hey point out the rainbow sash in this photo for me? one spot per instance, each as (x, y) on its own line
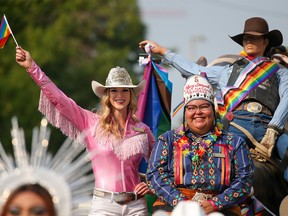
(255, 73)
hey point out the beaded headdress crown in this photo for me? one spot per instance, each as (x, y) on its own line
(198, 87)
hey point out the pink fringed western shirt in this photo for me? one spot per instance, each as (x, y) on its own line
(115, 161)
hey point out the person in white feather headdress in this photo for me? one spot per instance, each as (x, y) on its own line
(61, 182)
(29, 199)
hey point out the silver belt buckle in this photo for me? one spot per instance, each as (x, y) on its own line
(122, 198)
(200, 197)
(254, 107)
(99, 193)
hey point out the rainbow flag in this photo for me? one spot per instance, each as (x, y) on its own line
(154, 102)
(154, 107)
(177, 108)
(4, 32)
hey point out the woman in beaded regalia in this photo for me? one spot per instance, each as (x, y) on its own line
(199, 161)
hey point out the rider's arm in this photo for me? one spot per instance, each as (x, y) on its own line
(281, 113)
(187, 68)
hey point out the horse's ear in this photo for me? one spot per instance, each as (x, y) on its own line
(284, 207)
(202, 61)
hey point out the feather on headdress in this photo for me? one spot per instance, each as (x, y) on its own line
(66, 175)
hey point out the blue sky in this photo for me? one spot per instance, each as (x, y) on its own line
(202, 27)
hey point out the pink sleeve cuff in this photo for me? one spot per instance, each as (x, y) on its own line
(33, 66)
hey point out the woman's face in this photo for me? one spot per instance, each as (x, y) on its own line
(199, 116)
(254, 45)
(27, 203)
(119, 98)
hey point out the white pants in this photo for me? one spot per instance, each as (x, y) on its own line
(103, 206)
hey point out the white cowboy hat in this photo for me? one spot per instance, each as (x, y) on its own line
(185, 208)
(117, 77)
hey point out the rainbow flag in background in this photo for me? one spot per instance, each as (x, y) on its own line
(177, 108)
(154, 102)
(4, 32)
(154, 107)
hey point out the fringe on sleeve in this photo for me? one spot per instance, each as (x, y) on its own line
(58, 120)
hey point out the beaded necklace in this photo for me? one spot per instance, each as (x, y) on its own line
(203, 142)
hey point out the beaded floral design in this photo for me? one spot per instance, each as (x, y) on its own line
(204, 143)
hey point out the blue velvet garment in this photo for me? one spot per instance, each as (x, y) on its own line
(207, 175)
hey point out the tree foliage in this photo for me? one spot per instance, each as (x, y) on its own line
(74, 42)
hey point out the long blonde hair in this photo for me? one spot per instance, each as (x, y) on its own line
(107, 121)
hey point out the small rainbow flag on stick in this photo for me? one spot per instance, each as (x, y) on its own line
(5, 32)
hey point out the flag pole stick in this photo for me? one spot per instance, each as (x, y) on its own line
(10, 30)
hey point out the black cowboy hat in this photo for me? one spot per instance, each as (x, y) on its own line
(259, 26)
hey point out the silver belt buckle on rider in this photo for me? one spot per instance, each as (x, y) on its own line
(254, 107)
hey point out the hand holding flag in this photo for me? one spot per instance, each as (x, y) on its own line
(23, 58)
(5, 32)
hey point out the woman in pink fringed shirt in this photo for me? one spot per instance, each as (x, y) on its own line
(114, 136)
